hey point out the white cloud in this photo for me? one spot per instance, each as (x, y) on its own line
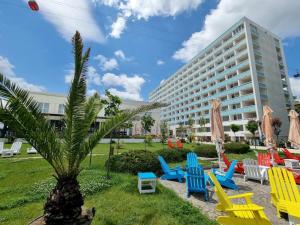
(160, 62)
(295, 85)
(92, 76)
(91, 92)
(141, 9)
(118, 27)
(69, 16)
(120, 54)
(7, 69)
(131, 85)
(281, 17)
(106, 64)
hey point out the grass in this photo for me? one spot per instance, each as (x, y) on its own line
(25, 181)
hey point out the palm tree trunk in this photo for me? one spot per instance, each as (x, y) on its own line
(109, 156)
(64, 203)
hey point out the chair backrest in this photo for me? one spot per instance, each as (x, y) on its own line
(250, 162)
(283, 184)
(179, 144)
(277, 157)
(230, 171)
(170, 144)
(251, 168)
(1, 145)
(225, 159)
(264, 159)
(288, 154)
(192, 160)
(16, 146)
(195, 178)
(225, 202)
(164, 165)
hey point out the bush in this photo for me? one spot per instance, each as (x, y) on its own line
(206, 150)
(174, 155)
(236, 147)
(134, 162)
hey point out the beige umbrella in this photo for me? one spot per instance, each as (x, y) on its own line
(294, 133)
(216, 126)
(267, 129)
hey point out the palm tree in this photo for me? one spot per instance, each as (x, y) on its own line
(22, 114)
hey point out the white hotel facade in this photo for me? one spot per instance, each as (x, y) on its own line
(52, 105)
(244, 68)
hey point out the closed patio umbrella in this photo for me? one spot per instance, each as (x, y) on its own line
(294, 132)
(217, 130)
(268, 130)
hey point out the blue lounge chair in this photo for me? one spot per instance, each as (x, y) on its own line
(171, 174)
(192, 160)
(196, 181)
(225, 179)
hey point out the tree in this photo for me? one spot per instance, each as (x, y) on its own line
(147, 123)
(164, 132)
(252, 127)
(202, 123)
(180, 130)
(66, 153)
(234, 128)
(112, 104)
(190, 128)
(123, 127)
(276, 125)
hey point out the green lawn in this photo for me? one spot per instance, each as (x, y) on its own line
(25, 181)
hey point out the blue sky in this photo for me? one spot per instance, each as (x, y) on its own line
(135, 43)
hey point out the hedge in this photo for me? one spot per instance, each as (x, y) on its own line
(135, 161)
(206, 150)
(173, 155)
(236, 147)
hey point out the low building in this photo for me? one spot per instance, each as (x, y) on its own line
(53, 107)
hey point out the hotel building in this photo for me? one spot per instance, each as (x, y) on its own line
(53, 107)
(244, 68)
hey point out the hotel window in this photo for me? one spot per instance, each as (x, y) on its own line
(61, 109)
(44, 107)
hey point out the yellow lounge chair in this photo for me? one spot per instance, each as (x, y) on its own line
(249, 213)
(284, 193)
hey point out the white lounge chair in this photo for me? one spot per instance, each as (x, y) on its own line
(254, 171)
(31, 150)
(1, 147)
(15, 149)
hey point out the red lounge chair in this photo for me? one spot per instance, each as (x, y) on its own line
(179, 144)
(264, 159)
(239, 168)
(278, 159)
(290, 155)
(296, 175)
(170, 144)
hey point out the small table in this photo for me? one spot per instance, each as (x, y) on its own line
(146, 182)
(291, 163)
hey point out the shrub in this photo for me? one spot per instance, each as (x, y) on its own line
(134, 162)
(206, 150)
(174, 155)
(182, 140)
(236, 147)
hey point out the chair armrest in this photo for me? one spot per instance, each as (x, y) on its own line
(177, 168)
(246, 196)
(252, 208)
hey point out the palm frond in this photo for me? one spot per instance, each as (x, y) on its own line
(21, 113)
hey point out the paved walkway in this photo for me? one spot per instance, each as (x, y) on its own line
(261, 197)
